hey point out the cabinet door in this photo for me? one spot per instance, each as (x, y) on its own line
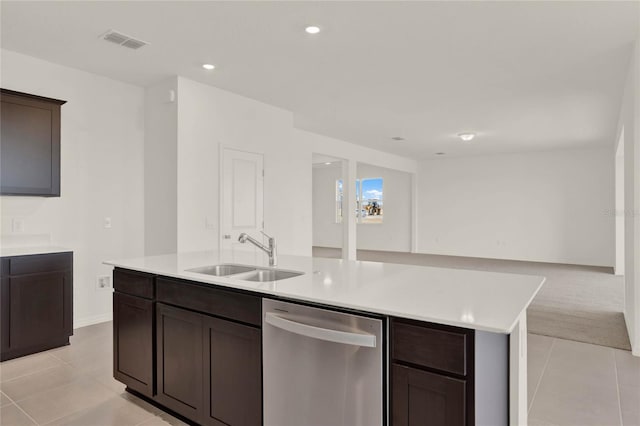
(179, 360)
(233, 374)
(421, 398)
(39, 310)
(5, 311)
(30, 133)
(133, 342)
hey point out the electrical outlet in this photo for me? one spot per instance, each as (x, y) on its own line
(104, 282)
(107, 223)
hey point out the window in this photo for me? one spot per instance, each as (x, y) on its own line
(369, 200)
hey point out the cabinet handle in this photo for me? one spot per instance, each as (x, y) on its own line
(330, 335)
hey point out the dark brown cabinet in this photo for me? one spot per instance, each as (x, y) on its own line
(133, 330)
(209, 369)
(179, 357)
(37, 303)
(30, 144)
(133, 342)
(233, 373)
(427, 399)
(432, 374)
(194, 349)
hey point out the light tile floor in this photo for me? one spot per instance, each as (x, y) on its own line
(574, 383)
(73, 385)
(570, 383)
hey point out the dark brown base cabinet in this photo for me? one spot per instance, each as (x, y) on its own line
(425, 398)
(196, 350)
(133, 342)
(36, 302)
(432, 374)
(180, 356)
(191, 348)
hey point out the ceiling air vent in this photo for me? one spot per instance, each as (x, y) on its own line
(123, 40)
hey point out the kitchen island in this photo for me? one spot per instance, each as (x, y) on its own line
(453, 338)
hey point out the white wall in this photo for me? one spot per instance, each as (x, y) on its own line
(337, 148)
(630, 122)
(326, 232)
(394, 233)
(101, 174)
(619, 205)
(537, 206)
(209, 118)
(161, 168)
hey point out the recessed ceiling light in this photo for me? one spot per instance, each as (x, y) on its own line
(312, 29)
(439, 153)
(466, 136)
(327, 164)
(397, 138)
(208, 66)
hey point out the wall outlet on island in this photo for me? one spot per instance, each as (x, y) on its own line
(104, 282)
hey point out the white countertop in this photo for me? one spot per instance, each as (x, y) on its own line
(29, 250)
(488, 301)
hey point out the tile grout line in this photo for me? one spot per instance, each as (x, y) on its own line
(84, 376)
(544, 368)
(29, 374)
(20, 408)
(61, 360)
(615, 366)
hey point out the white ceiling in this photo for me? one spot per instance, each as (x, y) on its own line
(522, 75)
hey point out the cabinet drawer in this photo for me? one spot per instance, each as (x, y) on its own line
(39, 263)
(210, 300)
(133, 283)
(440, 348)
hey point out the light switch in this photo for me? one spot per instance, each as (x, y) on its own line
(107, 222)
(209, 223)
(17, 225)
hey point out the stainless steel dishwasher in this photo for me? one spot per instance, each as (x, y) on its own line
(320, 367)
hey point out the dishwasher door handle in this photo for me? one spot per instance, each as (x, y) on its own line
(336, 336)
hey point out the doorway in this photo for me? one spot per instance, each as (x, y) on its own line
(327, 205)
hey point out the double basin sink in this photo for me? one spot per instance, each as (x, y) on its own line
(246, 273)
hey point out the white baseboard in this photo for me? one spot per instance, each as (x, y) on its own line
(94, 319)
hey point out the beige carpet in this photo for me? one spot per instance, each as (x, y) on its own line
(582, 303)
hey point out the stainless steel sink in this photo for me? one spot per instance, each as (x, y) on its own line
(245, 273)
(266, 275)
(222, 270)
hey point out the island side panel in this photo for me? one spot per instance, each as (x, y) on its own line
(518, 372)
(492, 379)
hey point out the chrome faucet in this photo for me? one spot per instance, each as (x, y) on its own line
(270, 249)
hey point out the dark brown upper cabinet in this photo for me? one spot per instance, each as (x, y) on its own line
(29, 144)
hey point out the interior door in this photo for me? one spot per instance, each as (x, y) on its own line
(242, 197)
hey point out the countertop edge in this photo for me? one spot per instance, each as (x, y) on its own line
(363, 309)
(32, 251)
